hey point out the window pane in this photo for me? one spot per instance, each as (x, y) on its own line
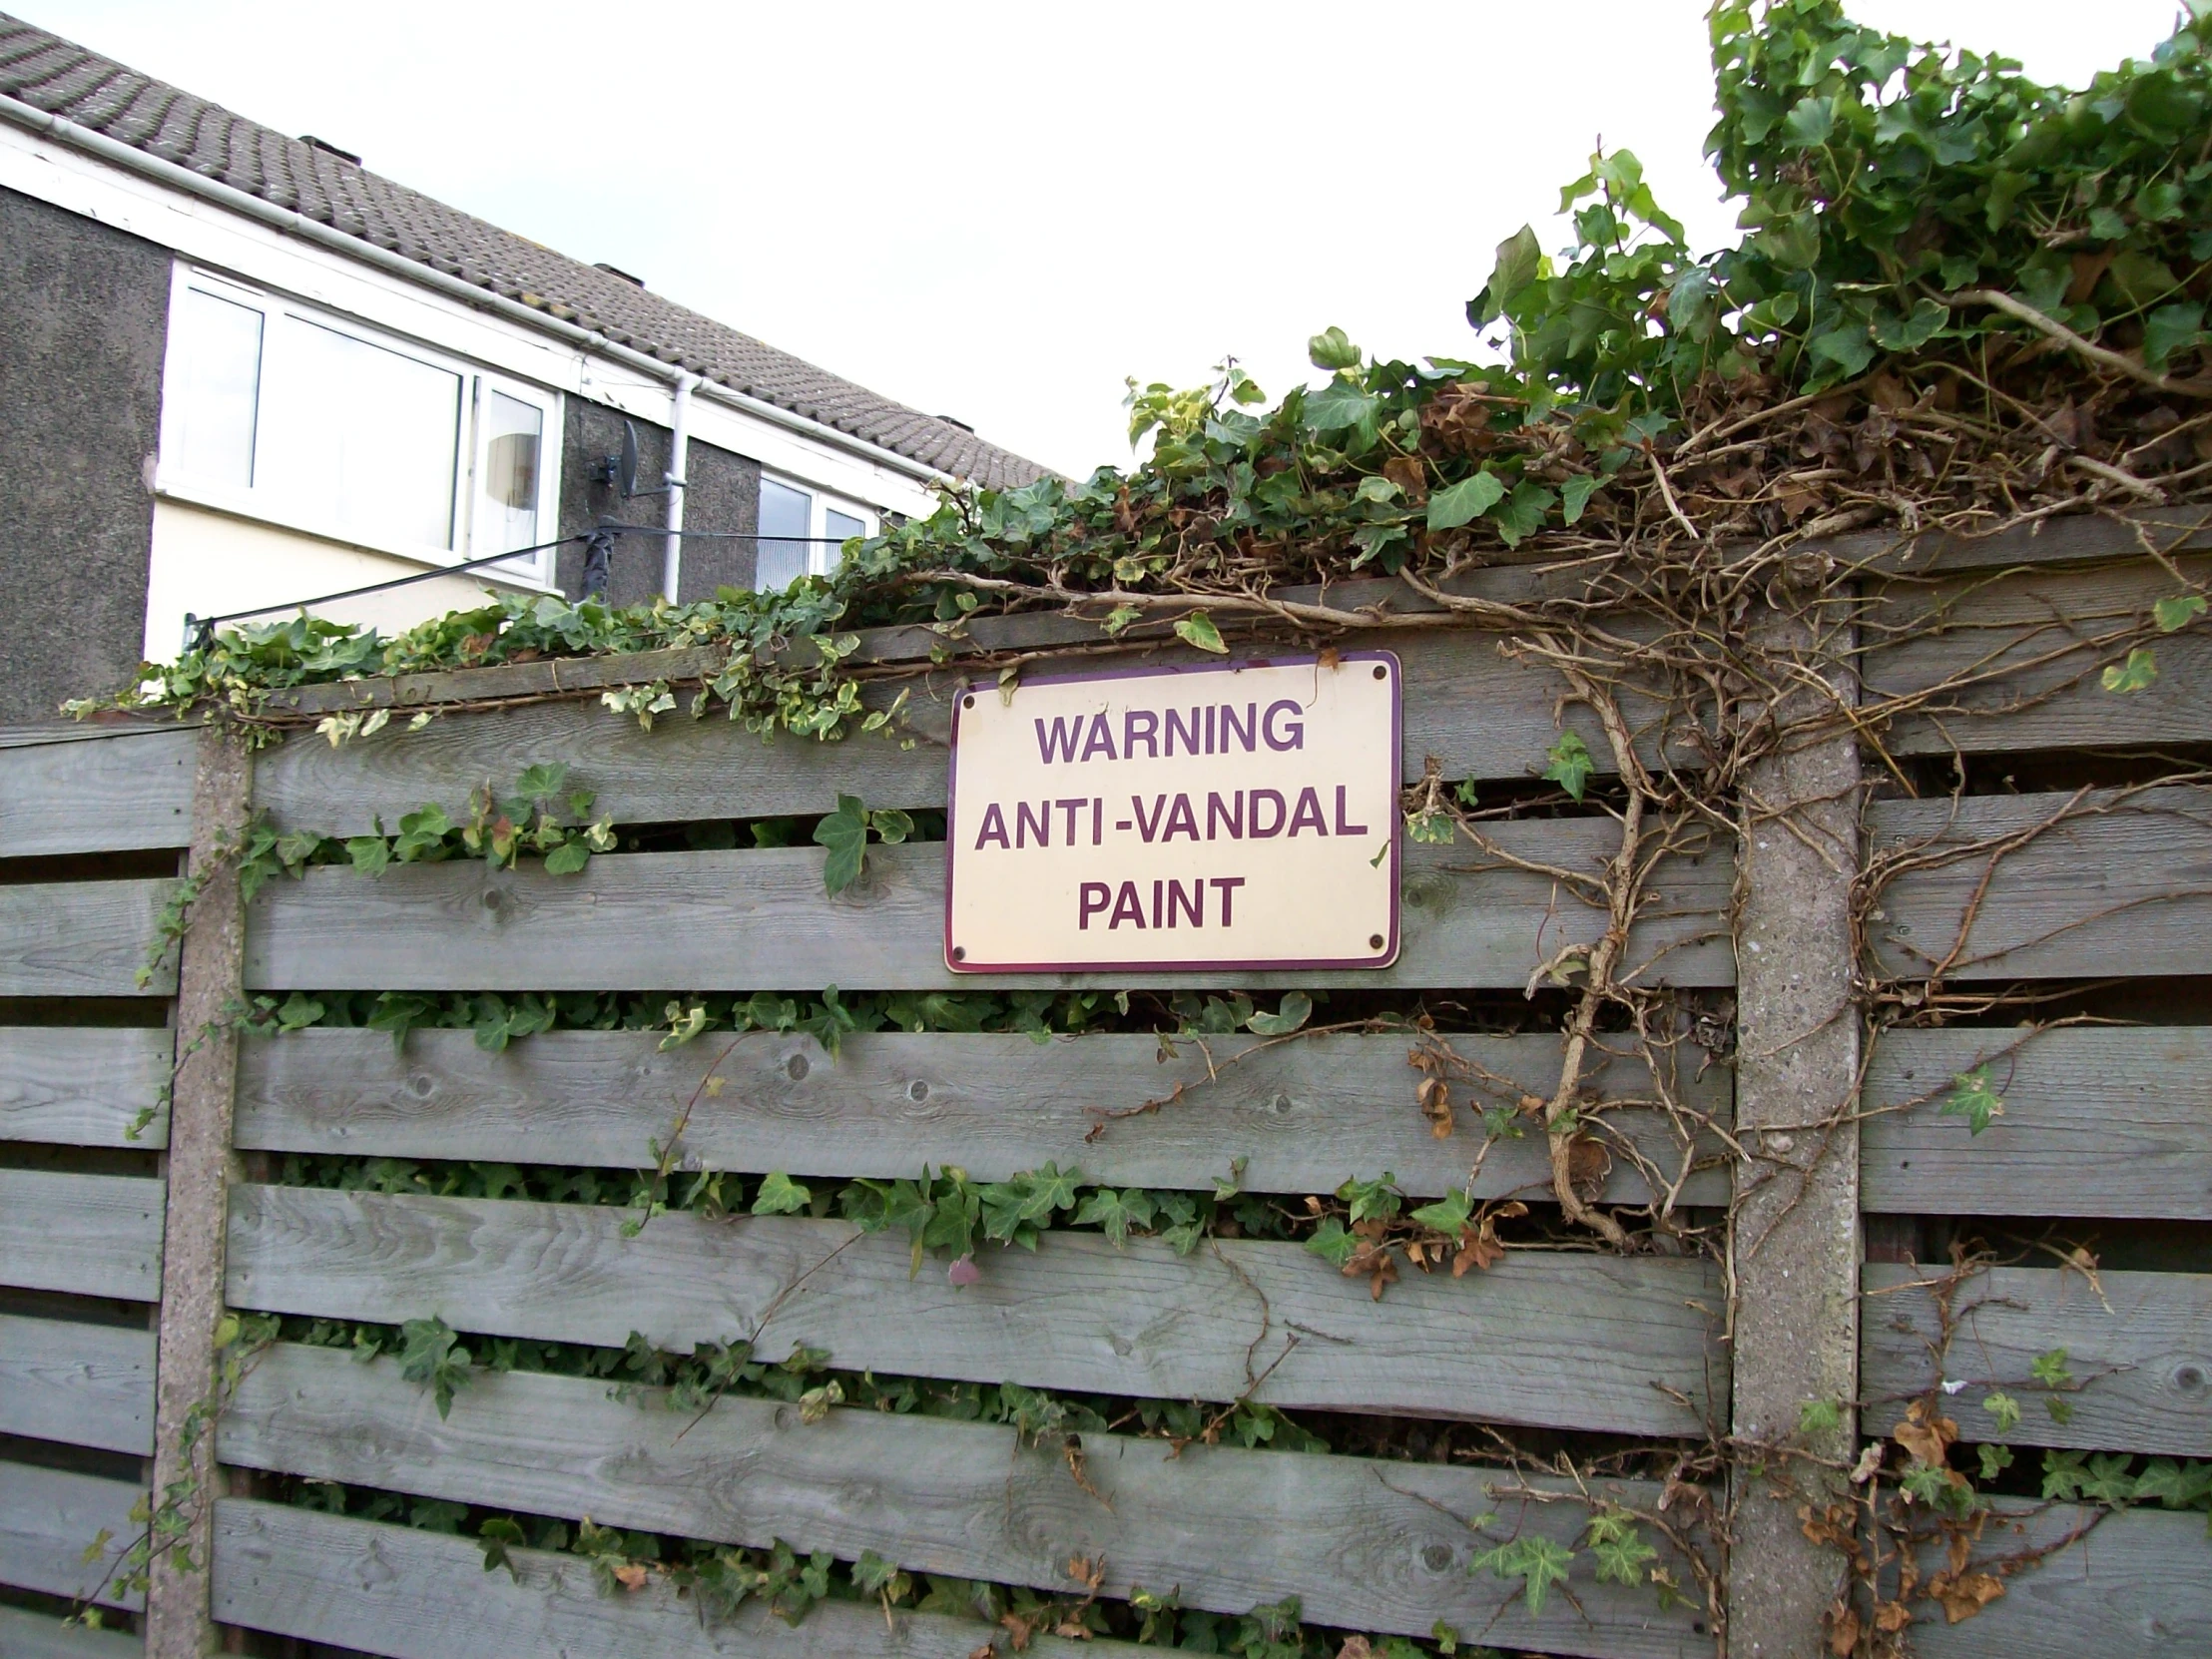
(785, 523)
(844, 526)
(209, 392)
(362, 437)
(507, 493)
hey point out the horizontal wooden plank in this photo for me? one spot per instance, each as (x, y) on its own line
(1479, 714)
(548, 677)
(2072, 540)
(91, 1234)
(2139, 1342)
(2133, 1587)
(2097, 1122)
(84, 1086)
(368, 1587)
(82, 1384)
(47, 1518)
(1363, 1545)
(2024, 650)
(83, 938)
(1561, 1339)
(2118, 885)
(1299, 1116)
(760, 920)
(110, 793)
(28, 1635)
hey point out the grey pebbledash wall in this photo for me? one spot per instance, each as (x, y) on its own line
(724, 496)
(86, 311)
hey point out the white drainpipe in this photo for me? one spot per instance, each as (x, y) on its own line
(679, 464)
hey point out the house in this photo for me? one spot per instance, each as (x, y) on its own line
(240, 369)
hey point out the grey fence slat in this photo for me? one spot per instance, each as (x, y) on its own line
(82, 938)
(91, 1234)
(2079, 538)
(47, 1518)
(2134, 1589)
(299, 1573)
(1566, 1340)
(1480, 715)
(28, 1635)
(2032, 638)
(2141, 1343)
(760, 920)
(682, 769)
(81, 1384)
(1303, 1115)
(83, 1086)
(99, 794)
(2128, 891)
(2097, 1122)
(1364, 1546)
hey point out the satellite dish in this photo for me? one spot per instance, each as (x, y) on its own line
(626, 474)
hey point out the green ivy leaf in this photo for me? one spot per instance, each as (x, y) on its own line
(1116, 1213)
(1570, 765)
(1449, 1214)
(1339, 404)
(1295, 1011)
(844, 834)
(1197, 629)
(1333, 1243)
(1575, 495)
(779, 1195)
(1971, 1098)
(1464, 502)
(569, 859)
(2003, 1410)
(1539, 1562)
(2140, 668)
(370, 853)
(2176, 613)
(1331, 349)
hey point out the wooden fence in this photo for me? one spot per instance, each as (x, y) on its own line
(2102, 1123)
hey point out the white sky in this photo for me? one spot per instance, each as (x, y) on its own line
(996, 212)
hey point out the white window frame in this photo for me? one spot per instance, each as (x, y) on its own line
(820, 504)
(269, 504)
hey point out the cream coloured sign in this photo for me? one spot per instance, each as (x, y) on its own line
(1234, 816)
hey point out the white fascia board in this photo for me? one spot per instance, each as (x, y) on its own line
(207, 234)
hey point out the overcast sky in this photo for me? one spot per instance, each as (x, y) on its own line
(998, 212)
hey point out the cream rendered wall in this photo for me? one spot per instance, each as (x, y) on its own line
(209, 562)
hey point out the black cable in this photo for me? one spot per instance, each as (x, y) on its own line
(201, 629)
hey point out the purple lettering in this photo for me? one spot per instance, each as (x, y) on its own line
(994, 827)
(1294, 738)
(1282, 808)
(1248, 734)
(1176, 729)
(1156, 903)
(1127, 906)
(1230, 813)
(1342, 828)
(1209, 727)
(1071, 808)
(1100, 739)
(1060, 741)
(1098, 819)
(1192, 904)
(1140, 726)
(1181, 820)
(1307, 814)
(1089, 902)
(1226, 886)
(1148, 827)
(1042, 823)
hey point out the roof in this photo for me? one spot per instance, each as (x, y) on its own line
(64, 79)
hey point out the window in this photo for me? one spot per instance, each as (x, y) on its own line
(282, 413)
(800, 531)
